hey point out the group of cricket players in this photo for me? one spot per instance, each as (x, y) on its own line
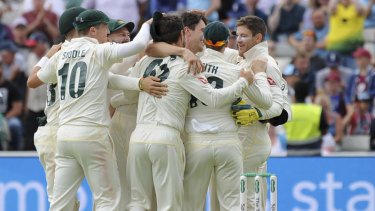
(155, 122)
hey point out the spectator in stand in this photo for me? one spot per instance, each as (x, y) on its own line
(302, 63)
(251, 6)
(267, 5)
(42, 20)
(226, 7)
(35, 98)
(360, 121)
(243, 8)
(333, 62)
(19, 31)
(211, 7)
(361, 82)
(285, 19)
(306, 138)
(313, 5)
(56, 6)
(14, 66)
(5, 31)
(291, 76)
(20, 35)
(346, 29)
(334, 89)
(307, 45)
(334, 120)
(11, 109)
(363, 79)
(370, 13)
(320, 29)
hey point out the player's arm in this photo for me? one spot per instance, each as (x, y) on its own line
(259, 92)
(34, 81)
(151, 84)
(138, 44)
(202, 90)
(163, 49)
(274, 79)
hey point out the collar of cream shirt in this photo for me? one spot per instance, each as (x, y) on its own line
(211, 52)
(85, 39)
(256, 51)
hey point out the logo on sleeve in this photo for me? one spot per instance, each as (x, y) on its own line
(270, 81)
(203, 80)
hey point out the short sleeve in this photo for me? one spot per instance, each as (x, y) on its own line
(107, 54)
(48, 72)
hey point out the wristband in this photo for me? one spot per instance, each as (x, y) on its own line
(42, 61)
(140, 83)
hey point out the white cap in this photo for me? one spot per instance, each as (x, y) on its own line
(19, 21)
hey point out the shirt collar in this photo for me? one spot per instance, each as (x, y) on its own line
(85, 39)
(212, 52)
(255, 51)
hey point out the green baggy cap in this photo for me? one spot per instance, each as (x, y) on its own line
(90, 18)
(67, 19)
(216, 34)
(115, 25)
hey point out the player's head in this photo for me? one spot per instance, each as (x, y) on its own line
(66, 22)
(93, 23)
(119, 31)
(251, 30)
(167, 28)
(216, 36)
(194, 23)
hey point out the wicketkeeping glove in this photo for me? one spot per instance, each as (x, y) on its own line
(243, 113)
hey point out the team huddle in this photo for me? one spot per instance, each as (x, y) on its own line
(189, 113)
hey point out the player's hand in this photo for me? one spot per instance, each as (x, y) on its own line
(195, 64)
(53, 50)
(259, 65)
(154, 87)
(247, 74)
(244, 114)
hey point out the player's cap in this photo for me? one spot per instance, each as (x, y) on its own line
(90, 18)
(361, 52)
(19, 21)
(115, 25)
(35, 38)
(67, 19)
(291, 70)
(333, 59)
(216, 34)
(333, 76)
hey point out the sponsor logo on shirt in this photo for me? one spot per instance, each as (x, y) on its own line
(270, 81)
(203, 80)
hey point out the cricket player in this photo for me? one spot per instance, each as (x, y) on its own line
(256, 142)
(45, 136)
(212, 143)
(84, 147)
(156, 152)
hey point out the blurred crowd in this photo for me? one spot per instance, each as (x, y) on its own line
(327, 44)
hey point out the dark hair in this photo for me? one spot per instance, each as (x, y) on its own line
(301, 89)
(254, 24)
(168, 29)
(191, 19)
